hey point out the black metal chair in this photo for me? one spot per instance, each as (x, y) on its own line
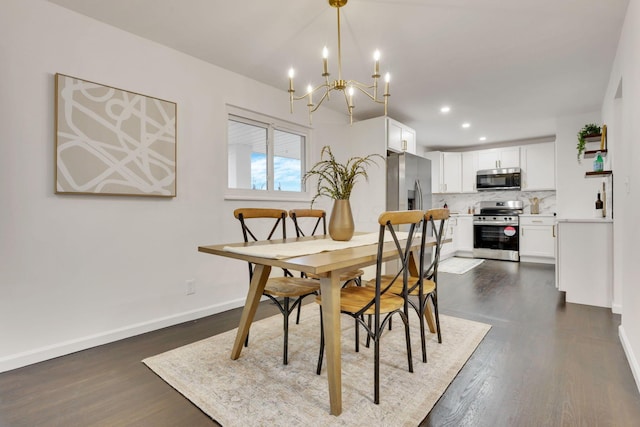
(425, 287)
(378, 300)
(285, 287)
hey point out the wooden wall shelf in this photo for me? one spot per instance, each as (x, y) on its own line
(601, 173)
(592, 153)
(593, 137)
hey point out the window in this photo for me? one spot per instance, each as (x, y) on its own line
(264, 157)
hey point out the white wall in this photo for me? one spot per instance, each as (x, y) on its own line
(621, 111)
(576, 195)
(77, 271)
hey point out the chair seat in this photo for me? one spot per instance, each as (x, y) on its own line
(428, 286)
(346, 276)
(290, 286)
(354, 299)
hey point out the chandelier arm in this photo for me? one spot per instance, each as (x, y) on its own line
(325, 96)
(306, 95)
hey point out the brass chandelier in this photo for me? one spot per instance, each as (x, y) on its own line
(347, 87)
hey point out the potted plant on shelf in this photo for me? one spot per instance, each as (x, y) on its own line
(588, 130)
(336, 181)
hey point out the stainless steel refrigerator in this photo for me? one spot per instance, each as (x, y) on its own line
(408, 182)
(408, 188)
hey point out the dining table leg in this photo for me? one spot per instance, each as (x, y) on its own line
(330, 291)
(256, 287)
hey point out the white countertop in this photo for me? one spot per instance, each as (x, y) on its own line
(587, 220)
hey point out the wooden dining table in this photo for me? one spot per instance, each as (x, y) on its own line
(328, 265)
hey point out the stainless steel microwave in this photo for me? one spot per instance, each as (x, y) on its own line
(498, 179)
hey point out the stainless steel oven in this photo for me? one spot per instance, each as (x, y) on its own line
(496, 230)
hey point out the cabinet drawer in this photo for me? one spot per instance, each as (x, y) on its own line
(537, 220)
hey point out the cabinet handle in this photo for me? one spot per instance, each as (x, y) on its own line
(537, 220)
(404, 145)
(553, 230)
(521, 231)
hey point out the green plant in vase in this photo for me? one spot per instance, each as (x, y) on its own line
(336, 181)
(587, 130)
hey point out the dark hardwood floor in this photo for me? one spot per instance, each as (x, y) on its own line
(543, 363)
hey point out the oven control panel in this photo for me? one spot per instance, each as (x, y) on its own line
(495, 220)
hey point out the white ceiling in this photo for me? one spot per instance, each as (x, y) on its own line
(508, 67)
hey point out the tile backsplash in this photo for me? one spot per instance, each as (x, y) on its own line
(463, 202)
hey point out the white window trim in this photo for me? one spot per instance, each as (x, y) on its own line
(268, 195)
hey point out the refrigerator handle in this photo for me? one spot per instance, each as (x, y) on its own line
(419, 191)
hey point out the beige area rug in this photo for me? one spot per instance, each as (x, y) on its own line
(458, 265)
(257, 389)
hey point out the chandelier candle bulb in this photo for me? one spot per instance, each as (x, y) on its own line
(376, 65)
(387, 78)
(325, 62)
(291, 74)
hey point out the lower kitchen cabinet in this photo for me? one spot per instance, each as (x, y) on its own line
(585, 261)
(464, 236)
(459, 228)
(537, 239)
(450, 232)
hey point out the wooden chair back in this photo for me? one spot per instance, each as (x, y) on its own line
(278, 217)
(436, 219)
(319, 214)
(388, 224)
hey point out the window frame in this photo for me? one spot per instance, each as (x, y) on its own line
(271, 124)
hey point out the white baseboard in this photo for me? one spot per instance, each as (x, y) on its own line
(537, 259)
(616, 308)
(633, 361)
(18, 360)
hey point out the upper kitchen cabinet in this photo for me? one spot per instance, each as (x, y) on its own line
(497, 158)
(469, 170)
(446, 172)
(382, 134)
(400, 138)
(538, 166)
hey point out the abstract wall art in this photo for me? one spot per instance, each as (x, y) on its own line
(111, 141)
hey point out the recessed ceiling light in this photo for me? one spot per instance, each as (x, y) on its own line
(483, 138)
(466, 125)
(445, 109)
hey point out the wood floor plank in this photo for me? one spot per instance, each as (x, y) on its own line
(543, 363)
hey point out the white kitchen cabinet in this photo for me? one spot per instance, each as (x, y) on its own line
(495, 158)
(446, 171)
(400, 138)
(452, 172)
(464, 235)
(469, 170)
(584, 268)
(537, 239)
(538, 166)
(436, 170)
(449, 249)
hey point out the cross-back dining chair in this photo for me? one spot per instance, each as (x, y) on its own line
(276, 288)
(425, 286)
(318, 219)
(378, 300)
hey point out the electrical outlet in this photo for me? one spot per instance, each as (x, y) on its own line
(191, 286)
